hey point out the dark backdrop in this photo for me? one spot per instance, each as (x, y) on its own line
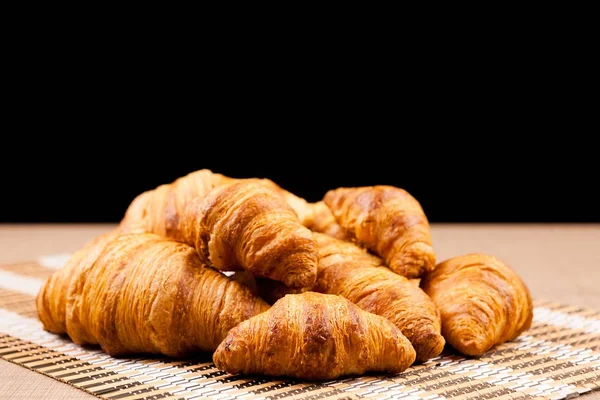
(465, 181)
(478, 132)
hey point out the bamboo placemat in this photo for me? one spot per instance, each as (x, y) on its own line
(559, 357)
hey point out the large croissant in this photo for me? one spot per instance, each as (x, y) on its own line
(388, 221)
(349, 271)
(483, 302)
(314, 336)
(233, 224)
(142, 293)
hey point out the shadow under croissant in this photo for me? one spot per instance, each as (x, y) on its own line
(204, 361)
(314, 384)
(193, 357)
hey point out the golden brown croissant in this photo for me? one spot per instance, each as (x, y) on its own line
(349, 271)
(314, 336)
(159, 210)
(388, 221)
(233, 224)
(142, 293)
(246, 224)
(483, 302)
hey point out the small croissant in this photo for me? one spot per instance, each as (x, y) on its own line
(483, 302)
(388, 221)
(314, 336)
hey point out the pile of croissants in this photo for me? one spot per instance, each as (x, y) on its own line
(271, 284)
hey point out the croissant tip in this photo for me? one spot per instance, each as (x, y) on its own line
(413, 261)
(300, 279)
(472, 347)
(431, 346)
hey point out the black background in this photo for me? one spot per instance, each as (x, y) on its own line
(482, 137)
(455, 180)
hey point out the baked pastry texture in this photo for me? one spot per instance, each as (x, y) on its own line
(352, 280)
(53, 298)
(142, 293)
(347, 270)
(314, 336)
(322, 220)
(483, 302)
(159, 210)
(233, 224)
(388, 221)
(315, 216)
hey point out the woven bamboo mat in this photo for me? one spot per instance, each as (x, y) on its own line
(559, 357)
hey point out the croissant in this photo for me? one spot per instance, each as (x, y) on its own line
(52, 299)
(388, 221)
(483, 302)
(246, 224)
(142, 293)
(349, 271)
(233, 224)
(159, 210)
(314, 336)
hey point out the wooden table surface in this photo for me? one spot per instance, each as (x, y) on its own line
(558, 262)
